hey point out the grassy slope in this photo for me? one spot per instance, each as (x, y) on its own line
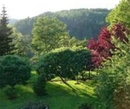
(60, 96)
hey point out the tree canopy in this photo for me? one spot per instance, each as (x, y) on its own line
(47, 34)
(120, 14)
(81, 23)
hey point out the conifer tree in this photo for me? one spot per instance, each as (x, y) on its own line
(6, 45)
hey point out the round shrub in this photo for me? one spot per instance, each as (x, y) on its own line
(13, 70)
(64, 62)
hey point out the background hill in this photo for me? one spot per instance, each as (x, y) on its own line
(13, 21)
(81, 23)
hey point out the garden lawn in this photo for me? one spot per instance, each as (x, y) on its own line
(60, 95)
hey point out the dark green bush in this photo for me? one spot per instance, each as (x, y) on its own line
(13, 70)
(35, 105)
(85, 106)
(40, 85)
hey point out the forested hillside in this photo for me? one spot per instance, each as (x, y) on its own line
(81, 23)
(13, 21)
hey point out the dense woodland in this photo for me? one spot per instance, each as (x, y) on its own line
(44, 64)
(81, 23)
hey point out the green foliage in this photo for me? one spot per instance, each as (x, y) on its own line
(10, 92)
(35, 105)
(64, 62)
(60, 95)
(56, 63)
(6, 46)
(47, 34)
(22, 43)
(40, 85)
(25, 26)
(82, 23)
(114, 79)
(14, 70)
(120, 14)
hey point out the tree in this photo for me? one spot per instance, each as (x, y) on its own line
(6, 46)
(81, 23)
(120, 14)
(13, 70)
(64, 62)
(113, 87)
(101, 48)
(22, 43)
(47, 33)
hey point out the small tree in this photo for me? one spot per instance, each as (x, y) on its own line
(6, 45)
(64, 62)
(101, 48)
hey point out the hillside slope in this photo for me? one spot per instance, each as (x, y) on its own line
(81, 23)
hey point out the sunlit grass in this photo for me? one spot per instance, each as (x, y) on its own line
(60, 95)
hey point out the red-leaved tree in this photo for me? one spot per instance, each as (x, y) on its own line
(102, 47)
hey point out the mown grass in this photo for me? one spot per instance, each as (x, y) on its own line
(60, 95)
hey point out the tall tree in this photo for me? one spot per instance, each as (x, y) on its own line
(47, 34)
(6, 45)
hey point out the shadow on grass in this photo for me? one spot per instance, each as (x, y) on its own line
(70, 88)
(24, 94)
(68, 96)
(60, 96)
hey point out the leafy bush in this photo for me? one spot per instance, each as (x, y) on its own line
(113, 88)
(64, 62)
(13, 70)
(40, 85)
(101, 48)
(35, 105)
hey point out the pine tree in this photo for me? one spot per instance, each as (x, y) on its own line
(6, 45)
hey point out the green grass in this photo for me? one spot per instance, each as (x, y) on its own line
(60, 95)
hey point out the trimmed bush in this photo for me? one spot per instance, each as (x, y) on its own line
(13, 70)
(64, 62)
